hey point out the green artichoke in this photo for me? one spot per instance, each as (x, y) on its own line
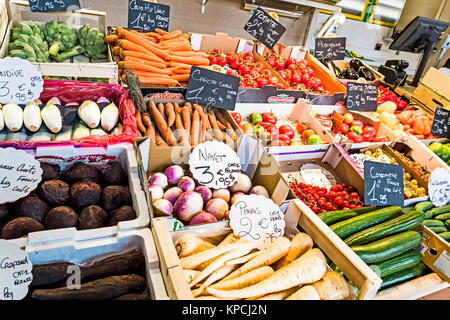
(60, 36)
(27, 42)
(93, 41)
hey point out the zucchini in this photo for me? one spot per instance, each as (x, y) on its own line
(403, 261)
(389, 247)
(445, 235)
(424, 206)
(393, 226)
(443, 217)
(403, 275)
(355, 224)
(433, 223)
(331, 217)
(438, 229)
(408, 209)
(429, 214)
(439, 210)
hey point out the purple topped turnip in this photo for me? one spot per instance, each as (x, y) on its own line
(218, 207)
(259, 190)
(186, 184)
(172, 194)
(236, 196)
(164, 206)
(243, 184)
(159, 179)
(203, 217)
(156, 191)
(222, 194)
(188, 205)
(174, 174)
(205, 192)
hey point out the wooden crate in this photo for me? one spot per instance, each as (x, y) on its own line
(4, 20)
(355, 269)
(81, 66)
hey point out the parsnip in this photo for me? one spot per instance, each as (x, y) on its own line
(215, 276)
(280, 295)
(229, 239)
(301, 243)
(332, 287)
(243, 259)
(189, 244)
(245, 280)
(304, 293)
(190, 274)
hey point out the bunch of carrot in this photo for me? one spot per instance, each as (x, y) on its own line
(170, 124)
(237, 269)
(157, 58)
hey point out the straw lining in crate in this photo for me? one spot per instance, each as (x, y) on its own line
(123, 153)
(81, 66)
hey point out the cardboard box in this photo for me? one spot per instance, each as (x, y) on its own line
(65, 157)
(353, 267)
(81, 65)
(434, 90)
(300, 113)
(78, 252)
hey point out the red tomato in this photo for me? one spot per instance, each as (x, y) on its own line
(304, 62)
(273, 80)
(287, 130)
(291, 61)
(262, 81)
(212, 60)
(280, 65)
(278, 143)
(301, 127)
(217, 51)
(367, 137)
(369, 129)
(267, 73)
(305, 78)
(344, 128)
(271, 61)
(253, 74)
(285, 138)
(269, 117)
(250, 83)
(232, 72)
(358, 138)
(292, 67)
(222, 61)
(296, 77)
(237, 117)
(280, 85)
(244, 69)
(259, 66)
(352, 135)
(284, 74)
(301, 65)
(357, 123)
(234, 62)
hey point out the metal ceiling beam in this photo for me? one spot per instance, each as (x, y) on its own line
(313, 4)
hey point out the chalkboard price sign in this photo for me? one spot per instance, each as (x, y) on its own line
(54, 5)
(264, 28)
(441, 123)
(211, 88)
(383, 184)
(361, 97)
(148, 16)
(333, 48)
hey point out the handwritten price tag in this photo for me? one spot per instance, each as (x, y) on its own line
(20, 173)
(383, 184)
(54, 5)
(441, 123)
(256, 218)
(147, 16)
(362, 97)
(20, 81)
(15, 271)
(439, 187)
(264, 28)
(214, 164)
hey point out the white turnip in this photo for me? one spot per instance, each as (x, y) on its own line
(218, 207)
(205, 192)
(236, 196)
(188, 204)
(243, 184)
(186, 184)
(203, 217)
(164, 206)
(259, 190)
(156, 191)
(174, 174)
(172, 194)
(159, 179)
(222, 194)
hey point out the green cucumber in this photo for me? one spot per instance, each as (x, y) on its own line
(408, 209)
(443, 217)
(424, 206)
(389, 247)
(363, 221)
(445, 235)
(403, 261)
(393, 226)
(438, 229)
(433, 223)
(403, 275)
(331, 217)
(429, 214)
(447, 223)
(439, 210)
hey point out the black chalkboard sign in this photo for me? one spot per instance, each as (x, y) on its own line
(54, 5)
(264, 28)
(441, 123)
(211, 88)
(383, 184)
(147, 16)
(362, 97)
(333, 48)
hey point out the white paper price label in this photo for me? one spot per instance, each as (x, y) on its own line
(256, 218)
(214, 165)
(439, 187)
(15, 271)
(20, 81)
(20, 173)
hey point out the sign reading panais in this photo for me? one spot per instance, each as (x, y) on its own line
(20, 81)
(439, 187)
(256, 218)
(54, 5)
(214, 164)
(15, 271)
(20, 173)
(148, 16)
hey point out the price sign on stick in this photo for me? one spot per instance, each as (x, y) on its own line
(212, 88)
(439, 187)
(148, 16)
(256, 218)
(20, 173)
(15, 271)
(214, 165)
(383, 184)
(333, 48)
(54, 5)
(361, 97)
(264, 28)
(441, 123)
(20, 81)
